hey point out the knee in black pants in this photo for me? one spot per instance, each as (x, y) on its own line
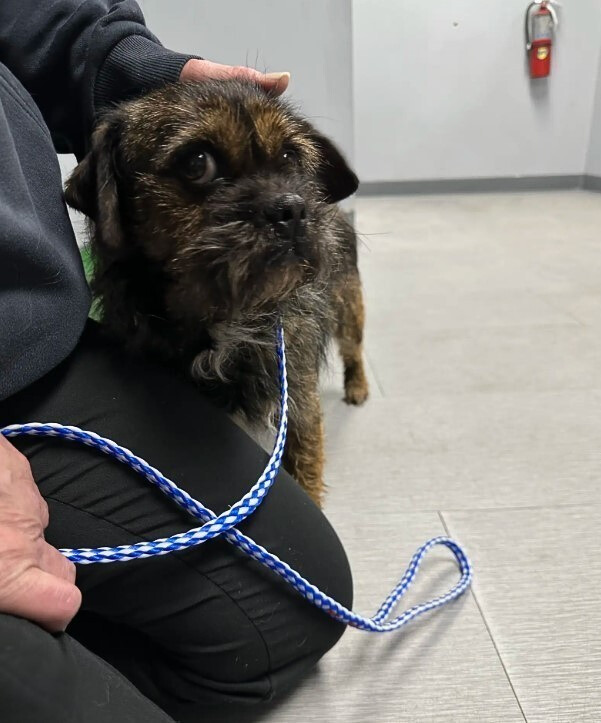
(242, 635)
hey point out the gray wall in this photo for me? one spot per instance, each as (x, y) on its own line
(310, 38)
(441, 90)
(593, 161)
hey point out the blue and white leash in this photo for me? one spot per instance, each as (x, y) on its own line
(225, 524)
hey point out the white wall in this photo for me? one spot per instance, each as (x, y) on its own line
(310, 38)
(441, 90)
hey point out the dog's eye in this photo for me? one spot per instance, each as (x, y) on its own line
(199, 167)
(289, 156)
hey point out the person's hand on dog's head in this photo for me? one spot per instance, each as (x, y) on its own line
(199, 70)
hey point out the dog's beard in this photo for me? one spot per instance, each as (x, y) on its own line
(232, 270)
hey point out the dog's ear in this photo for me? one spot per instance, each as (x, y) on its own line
(334, 173)
(93, 187)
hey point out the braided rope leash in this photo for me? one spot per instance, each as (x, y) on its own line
(225, 524)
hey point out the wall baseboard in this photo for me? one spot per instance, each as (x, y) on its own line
(591, 183)
(480, 185)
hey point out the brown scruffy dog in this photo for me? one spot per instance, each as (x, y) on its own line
(214, 216)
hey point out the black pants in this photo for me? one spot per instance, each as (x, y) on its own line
(197, 631)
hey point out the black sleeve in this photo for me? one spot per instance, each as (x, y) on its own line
(77, 56)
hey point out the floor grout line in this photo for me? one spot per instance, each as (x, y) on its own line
(488, 630)
(425, 331)
(519, 508)
(375, 374)
(433, 510)
(498, 391)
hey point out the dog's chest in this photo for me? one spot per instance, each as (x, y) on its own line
(240, 369)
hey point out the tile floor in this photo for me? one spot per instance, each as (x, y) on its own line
(484, 348)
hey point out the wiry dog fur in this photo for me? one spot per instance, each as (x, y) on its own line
(197, 273)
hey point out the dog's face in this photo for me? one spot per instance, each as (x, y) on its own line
(222, 186)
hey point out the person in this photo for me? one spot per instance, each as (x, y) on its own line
(185, 636)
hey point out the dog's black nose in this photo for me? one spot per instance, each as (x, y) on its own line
(287, 214)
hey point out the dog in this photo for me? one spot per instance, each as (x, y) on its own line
(213, 216)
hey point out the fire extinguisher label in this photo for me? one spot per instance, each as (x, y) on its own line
(542, 53)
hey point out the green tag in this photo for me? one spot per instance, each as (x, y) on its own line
(88, 266)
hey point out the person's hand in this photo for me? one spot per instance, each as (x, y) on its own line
(36, 581)
(199, 70)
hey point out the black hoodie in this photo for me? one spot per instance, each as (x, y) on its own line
(61, 63)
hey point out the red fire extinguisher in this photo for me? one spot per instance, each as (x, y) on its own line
(541, 23)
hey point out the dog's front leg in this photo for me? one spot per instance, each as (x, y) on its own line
(304, 453)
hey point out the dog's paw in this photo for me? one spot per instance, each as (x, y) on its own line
(356, 392)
